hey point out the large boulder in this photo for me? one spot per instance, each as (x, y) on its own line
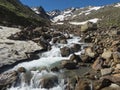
(88, 26)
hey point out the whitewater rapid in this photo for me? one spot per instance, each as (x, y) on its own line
(46, 59)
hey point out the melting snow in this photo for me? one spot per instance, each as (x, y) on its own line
(86, 12)
(81, 23)
(60, 23)
(58, 18)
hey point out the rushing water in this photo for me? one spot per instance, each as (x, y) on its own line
(46, 59)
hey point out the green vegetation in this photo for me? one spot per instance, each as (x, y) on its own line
(13, 12)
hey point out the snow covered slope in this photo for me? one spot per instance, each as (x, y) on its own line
(77, 14)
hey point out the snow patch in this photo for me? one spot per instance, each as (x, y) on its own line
(117, 5)
(60, 23)
(35, 10)
(86, 12)
(58, 18)
(81, 23)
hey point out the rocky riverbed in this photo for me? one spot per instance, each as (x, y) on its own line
(88, 61)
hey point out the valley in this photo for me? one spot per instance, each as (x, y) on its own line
(71, 49)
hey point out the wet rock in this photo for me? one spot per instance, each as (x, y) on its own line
(62, 41)
(55, 69)
(76, 48)
(85, 58)
(69, 64)
(21, 69)
(24, 76)
(88, 26)
(1, 28)
(82, 85)
(55, 39)
(106, 71)
(65, 51)
(48, 81)
(75, 58)
(7, 79)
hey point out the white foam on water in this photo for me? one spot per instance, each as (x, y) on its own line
(46, 59)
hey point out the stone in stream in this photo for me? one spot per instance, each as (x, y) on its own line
(65, 51)
(75, 58)
(76, 48)
(24, 75)
(8, 79)
(48, 81)
(69, 64)
(54, 40)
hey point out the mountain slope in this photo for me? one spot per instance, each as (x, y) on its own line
(13, 12)
(109, 15)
